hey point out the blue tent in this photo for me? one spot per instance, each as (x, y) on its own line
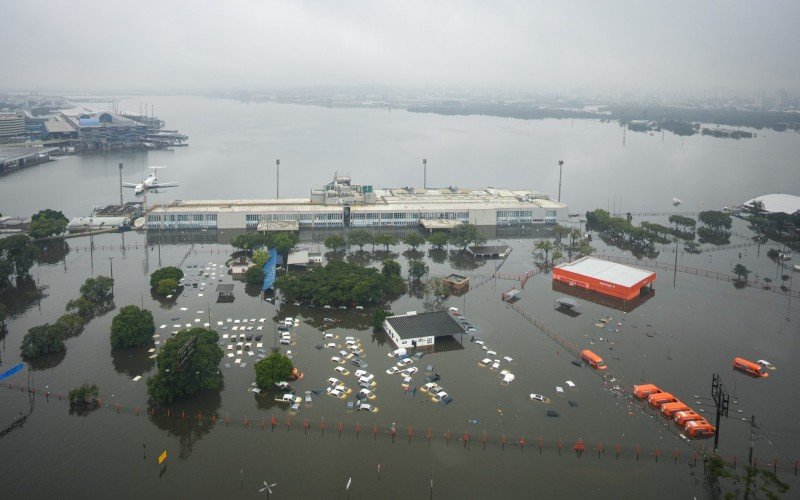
(269, 269)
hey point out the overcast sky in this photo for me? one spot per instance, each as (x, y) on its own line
(540, 46)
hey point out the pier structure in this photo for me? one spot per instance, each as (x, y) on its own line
(342, 204)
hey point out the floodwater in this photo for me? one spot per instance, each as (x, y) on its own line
(677, 340)
(233, 147)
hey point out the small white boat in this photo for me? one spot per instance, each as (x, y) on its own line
(571, 384)
(491, 353)
(485, 361)
(508, 358)
(495, 365)
(559, 389)
(508, 378)
(480, 342)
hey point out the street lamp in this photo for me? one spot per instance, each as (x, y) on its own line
(278, 176)
(425, 173)
(560, 169)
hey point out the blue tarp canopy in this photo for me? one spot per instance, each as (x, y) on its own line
(269, 269)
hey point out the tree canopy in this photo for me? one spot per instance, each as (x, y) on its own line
(250, 241)
(254, 275)
(97, 290)
(359, 238)
(340, 283)
(17, 255)
(47, 223)
(391, 268)
(42, 340)
(201, 369)
(385, 239)
(439, 239)
(282, 241)
(465, 235)
(335, 242)
(132, 327)
(417, 269)
(260, 257)
(169, 272)
(414, 239)
(165, 287)
(276, 367)
(69, 325)
(378, 316)
(715, 219)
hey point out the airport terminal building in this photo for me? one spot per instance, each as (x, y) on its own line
(342, 204)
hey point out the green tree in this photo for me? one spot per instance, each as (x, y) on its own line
(249, 241)
(546, 247)
(391, 268)
(335, 242)
(414, 239)
(378, 316)
(715, 219)
(465, 235)
(97, 290)
(19, 252)
(82, 306)
(2, 318)
(69, 325)
(254, 275)
(200, 371)
(417, 269)
(741, 272)
(42, 340)
(167, 286)
(385, 239)
(260, 257)
(439, 240)
(274, 368)
(132, 327)
(169, 272)
(47, 223)
(282, 241)
(359, 238)
(6, 271)
(83, 396)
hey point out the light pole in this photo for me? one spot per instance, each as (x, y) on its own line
(425, 173)
(120, 183)
(278, 176)
(560, 169)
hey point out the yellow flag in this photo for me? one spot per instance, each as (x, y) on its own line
(162, 457)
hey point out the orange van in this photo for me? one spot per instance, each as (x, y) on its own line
(682, 417)
(593, 360)
(660, 398)
(699, 428)
(749, 367)
(644, 390)
(670, 409)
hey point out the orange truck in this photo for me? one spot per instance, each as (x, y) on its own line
(683, 417)
(593, 360)
(656, 400)
(699, 429)
(750, 368)
(670, 409)
(644, 390)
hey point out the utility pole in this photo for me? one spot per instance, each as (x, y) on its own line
(560, 170)
(720, 396)
(753, 428)
(278, 175)
(120, 183)
(111, 263)
(675, 272)
(425, 173)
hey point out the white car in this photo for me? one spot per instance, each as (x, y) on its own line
(404, 362)
(343, 353)
(366, 407)
(336, 359)
(288, 398)
(334, 392)
(334, 381)
(427, 387)
(327, 336)
(331, 345)
(765, 364)
(439, 395)
(282, 385)
(392, 370)
(342, 370)
(536, 397)
(410, 371)
(285, 341)
(361, 373)
(366, 378)
(366, 392)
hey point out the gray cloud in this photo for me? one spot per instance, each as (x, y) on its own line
(551, 46)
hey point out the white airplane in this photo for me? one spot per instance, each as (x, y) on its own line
(676, 202)
(149, 183)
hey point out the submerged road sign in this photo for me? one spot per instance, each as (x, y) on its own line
(12, 371)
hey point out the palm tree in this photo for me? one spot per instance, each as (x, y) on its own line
(545, 246)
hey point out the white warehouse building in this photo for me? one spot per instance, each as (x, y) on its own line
(342, 204)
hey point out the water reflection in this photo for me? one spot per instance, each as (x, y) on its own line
(605, 300)
(183, 423)
(464, 261)
(52, 252)
(165, 302)
(22, 296)
(47, 362)
(437, 255)
(133, 361)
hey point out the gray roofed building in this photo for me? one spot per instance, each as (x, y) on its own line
(420, 330)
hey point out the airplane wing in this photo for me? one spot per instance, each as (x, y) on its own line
(128, 185)
(160, 185)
